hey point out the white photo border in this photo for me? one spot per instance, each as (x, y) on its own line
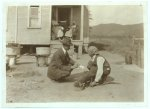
(122, 105)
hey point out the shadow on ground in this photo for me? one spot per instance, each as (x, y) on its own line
(75, 77)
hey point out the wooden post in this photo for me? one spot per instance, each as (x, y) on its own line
(140, 54)
(82, 16)
(133, 40)
(50, 18)
(7, 10)
(79, 50)
(81, 32)
(71, 16)
(142, 57)
(56, 14)
(16, 28)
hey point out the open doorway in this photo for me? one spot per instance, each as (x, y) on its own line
(64, 15)
(65, 22)
(61, 21)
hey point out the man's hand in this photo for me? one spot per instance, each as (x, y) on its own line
(75, 66)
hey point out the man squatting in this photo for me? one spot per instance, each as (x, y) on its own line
(61, 64)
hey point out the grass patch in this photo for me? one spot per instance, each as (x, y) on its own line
(119, 45)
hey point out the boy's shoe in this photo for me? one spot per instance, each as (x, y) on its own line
(92, 84)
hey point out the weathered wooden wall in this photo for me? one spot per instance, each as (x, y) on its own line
(18, 31)
(11, 24)
(33, 36)
(27, 35)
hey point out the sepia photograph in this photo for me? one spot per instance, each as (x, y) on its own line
(76, 53)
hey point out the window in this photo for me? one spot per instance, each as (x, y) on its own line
(34, 17)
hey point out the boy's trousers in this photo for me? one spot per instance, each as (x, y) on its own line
(89, 76)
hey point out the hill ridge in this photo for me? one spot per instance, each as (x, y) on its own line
(113, 29)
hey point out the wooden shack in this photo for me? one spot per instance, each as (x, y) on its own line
(32, 26)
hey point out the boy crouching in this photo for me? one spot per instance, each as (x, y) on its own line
(99, 69)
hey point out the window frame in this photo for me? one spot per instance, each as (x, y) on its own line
(39, 17)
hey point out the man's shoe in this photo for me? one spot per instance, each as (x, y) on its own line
(79, 85)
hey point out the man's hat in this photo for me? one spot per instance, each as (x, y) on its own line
(66, 41)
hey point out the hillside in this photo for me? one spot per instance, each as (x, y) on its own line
(115, 37)
(110, 30)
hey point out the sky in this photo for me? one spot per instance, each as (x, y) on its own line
(121, 14)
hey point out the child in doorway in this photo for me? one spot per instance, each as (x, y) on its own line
(99, 69)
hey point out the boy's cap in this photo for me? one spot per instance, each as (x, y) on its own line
(92, 50)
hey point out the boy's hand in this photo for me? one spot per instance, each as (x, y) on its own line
(94, 83)
(81, 67)
(75, 66)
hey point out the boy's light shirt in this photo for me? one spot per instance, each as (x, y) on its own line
(100, 62)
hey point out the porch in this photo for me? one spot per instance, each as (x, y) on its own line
(67, 21)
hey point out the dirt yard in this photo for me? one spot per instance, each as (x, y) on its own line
(27, 83)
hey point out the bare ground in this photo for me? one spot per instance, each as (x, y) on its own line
(27, 83)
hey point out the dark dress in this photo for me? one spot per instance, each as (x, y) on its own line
(60, 65)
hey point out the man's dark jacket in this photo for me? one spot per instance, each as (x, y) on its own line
(60, 65)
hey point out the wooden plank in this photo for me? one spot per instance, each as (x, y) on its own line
(86, 46)
(16, 32)
(50, 16)
(82, 17)
(71, 16)
(79, 51)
